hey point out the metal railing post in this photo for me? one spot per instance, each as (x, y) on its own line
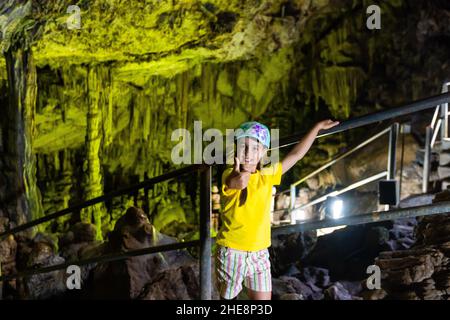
(426, 160)
(1, 283)
(292, 204)
(444, 114)
(205, 234)
(392, 156)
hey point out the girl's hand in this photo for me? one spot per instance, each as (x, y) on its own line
(326, 124)
(238, 179)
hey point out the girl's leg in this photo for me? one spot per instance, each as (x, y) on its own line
(259, 295)
(258, 281)
(229, 264)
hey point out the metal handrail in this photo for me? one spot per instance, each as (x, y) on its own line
(375, 117)
(372, 118)
(424, 104)
(389, 174)
(425, 210)
(104, 258)
(342, 156)
(439, 123)
(335, 193)
(346, 189)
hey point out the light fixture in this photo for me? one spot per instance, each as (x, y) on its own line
(300, 214)
(297, 214)
(335, 207)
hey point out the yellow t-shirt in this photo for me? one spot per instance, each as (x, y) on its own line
(247, 227)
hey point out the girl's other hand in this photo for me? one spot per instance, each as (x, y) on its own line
(326, 124)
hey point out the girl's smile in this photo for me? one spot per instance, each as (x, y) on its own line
(249, 152)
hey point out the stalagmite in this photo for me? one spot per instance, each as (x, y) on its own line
(23, 198)
(98, 100)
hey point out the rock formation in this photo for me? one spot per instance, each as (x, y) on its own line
(423, 271)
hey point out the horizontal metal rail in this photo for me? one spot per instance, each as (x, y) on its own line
(105, 258)
(337, 192)
(346, 189)
(128, 190)
(435, 208)
(375, 117)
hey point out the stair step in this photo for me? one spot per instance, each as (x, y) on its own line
(444, 158)
(443, 172)
(442, 145)
(420, 156)
(445, 184)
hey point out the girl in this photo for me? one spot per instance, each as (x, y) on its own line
(242, 257)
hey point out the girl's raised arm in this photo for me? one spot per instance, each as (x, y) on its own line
(301, 148)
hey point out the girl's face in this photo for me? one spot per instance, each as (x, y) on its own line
(249, 152)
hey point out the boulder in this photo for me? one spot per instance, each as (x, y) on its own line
(173, 284)
(39, 253)
(288, 249)
(315, 275)
(298, 286)
(289, 285)
(292, 296)
(127, 279)
(280, 288)
(421, 272)
(8, 250)
(79, 233)
(337, 291)
(379, 294)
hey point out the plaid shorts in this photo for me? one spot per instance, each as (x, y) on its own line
(235, 266)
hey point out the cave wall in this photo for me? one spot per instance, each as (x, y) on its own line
(110, 94)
